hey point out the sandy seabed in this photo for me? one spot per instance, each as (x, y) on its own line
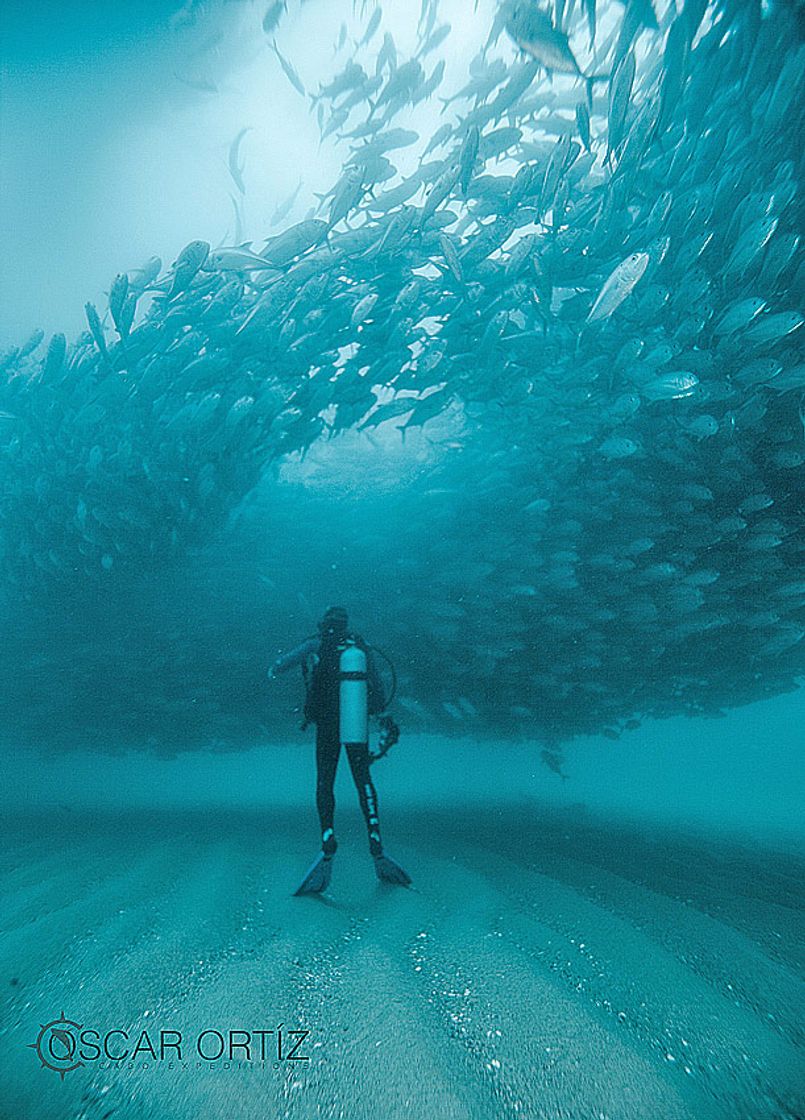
(545, 965)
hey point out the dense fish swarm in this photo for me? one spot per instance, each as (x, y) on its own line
(587, 294)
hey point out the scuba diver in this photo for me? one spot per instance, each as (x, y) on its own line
(342, 689)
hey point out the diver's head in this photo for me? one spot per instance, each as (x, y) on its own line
(334, 623)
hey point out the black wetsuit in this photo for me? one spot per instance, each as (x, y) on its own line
(328, 750)
(325, 714)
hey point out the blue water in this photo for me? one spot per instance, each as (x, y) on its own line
(536, 414)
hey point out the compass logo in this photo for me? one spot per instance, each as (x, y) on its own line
(56, 1045)
(63, 1045)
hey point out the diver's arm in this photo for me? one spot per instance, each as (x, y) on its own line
(295, 657)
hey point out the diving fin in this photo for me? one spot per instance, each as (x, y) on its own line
(390, 872)
(318, 876)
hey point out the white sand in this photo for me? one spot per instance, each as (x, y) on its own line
(544, 966)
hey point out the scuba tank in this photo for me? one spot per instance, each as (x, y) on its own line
(346, 666)
(353, 701)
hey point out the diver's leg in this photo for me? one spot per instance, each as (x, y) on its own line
(328, 748)
(358, 755)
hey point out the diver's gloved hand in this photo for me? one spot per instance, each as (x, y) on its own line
(272, 674)
(389, 735)
(389, 731)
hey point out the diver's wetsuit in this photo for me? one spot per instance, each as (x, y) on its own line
(328, 749)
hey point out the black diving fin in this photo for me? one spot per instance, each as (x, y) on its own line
(388, 871)
(318, 875)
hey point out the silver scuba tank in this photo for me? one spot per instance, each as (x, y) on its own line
(353, 705)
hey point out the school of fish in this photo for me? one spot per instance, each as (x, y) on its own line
(587, 296)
